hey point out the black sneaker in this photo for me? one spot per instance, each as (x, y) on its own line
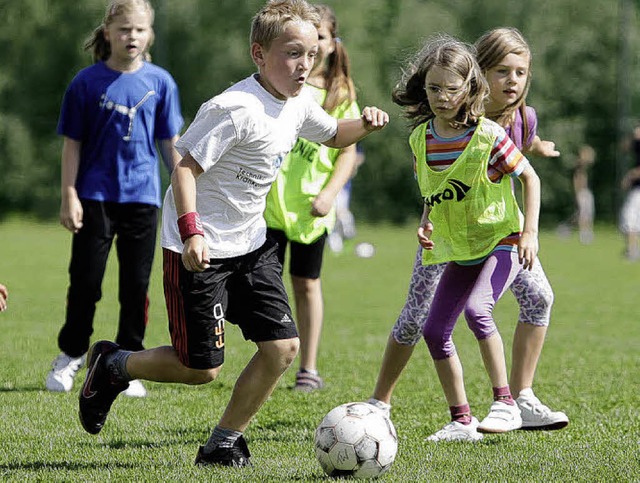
(237, 456)
(99, 389)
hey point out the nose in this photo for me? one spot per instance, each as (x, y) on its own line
(307, 62)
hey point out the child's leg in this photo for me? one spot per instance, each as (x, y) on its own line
(535, 299)
(449, 300)
(257, 381)
(135, 247)
(305, 267)
(89, 252)
(497, 274)
(407, 330)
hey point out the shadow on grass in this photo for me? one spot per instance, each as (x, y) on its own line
(65, 465)
(23, 389)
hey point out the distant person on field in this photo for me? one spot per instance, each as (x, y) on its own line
(345, 228)
(630, 213)
(219, 265)
(300, 208)
(4, 295)
(585, 205)
(113, 114)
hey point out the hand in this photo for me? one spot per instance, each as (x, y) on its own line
(527, 250)
(195, 254)
(546, 149)
(321, 204)
(71, 213)
(4, 295)
(374, 118)
(424, 235)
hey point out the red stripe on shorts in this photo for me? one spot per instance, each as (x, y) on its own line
(175, 303)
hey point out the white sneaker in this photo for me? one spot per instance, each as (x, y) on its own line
(455, 431)
(502, 417)
(536, 415)
(63, 370)
(135, 389)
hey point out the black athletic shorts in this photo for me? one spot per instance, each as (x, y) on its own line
(245, 290)
(305, 260)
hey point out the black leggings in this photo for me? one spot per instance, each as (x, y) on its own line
(134, 226)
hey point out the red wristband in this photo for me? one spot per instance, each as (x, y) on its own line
(189, 224)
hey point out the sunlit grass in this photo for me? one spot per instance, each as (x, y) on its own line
(589, 368)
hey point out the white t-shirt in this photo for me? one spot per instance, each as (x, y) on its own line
(240, 138)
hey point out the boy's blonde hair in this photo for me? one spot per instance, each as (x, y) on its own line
(491, 48)
(455, 56)
(270, 22)
(98, 45)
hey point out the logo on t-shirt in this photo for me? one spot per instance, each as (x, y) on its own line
(106, 103)
(458, 192)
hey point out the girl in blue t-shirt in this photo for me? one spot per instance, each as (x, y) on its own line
(113, 114)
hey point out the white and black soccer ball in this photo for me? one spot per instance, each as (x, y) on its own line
(357, 440)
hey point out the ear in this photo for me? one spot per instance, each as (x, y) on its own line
(105, 33)
(257, 54)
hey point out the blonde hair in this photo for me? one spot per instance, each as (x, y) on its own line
(337, 75)
(491, 48)
(98, 44)
(269, 23)
(455, 56)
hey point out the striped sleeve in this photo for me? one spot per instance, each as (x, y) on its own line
(506, 159)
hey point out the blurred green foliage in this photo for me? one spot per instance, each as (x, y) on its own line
(204, 44)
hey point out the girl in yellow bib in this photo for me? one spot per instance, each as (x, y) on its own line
(471, 220)
(300, 207)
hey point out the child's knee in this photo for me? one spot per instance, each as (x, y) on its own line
(280, 353)
(438, 347)
(197, 377)
(480, 321)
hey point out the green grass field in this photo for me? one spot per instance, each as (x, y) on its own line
(590, 368)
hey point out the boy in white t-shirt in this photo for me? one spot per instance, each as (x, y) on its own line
(218, 264)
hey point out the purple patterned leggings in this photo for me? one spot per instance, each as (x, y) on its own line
(530, 287)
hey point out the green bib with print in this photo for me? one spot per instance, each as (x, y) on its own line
(303, 175)
(470, 214)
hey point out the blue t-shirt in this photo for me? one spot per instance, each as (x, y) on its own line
(118, 117)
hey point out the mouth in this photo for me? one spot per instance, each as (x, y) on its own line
(510, 92)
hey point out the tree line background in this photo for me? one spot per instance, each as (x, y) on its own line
(585, 59)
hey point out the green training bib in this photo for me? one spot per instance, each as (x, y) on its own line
(470, 214)
(303, 174)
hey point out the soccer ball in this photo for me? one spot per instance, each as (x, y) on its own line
(356, 439)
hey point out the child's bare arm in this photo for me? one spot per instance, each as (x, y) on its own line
(195, 255)
(70, 207)
(4, 295)
(528, 244)
(344, 167)
(351, 131)
(425, 230)
(170, 157)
